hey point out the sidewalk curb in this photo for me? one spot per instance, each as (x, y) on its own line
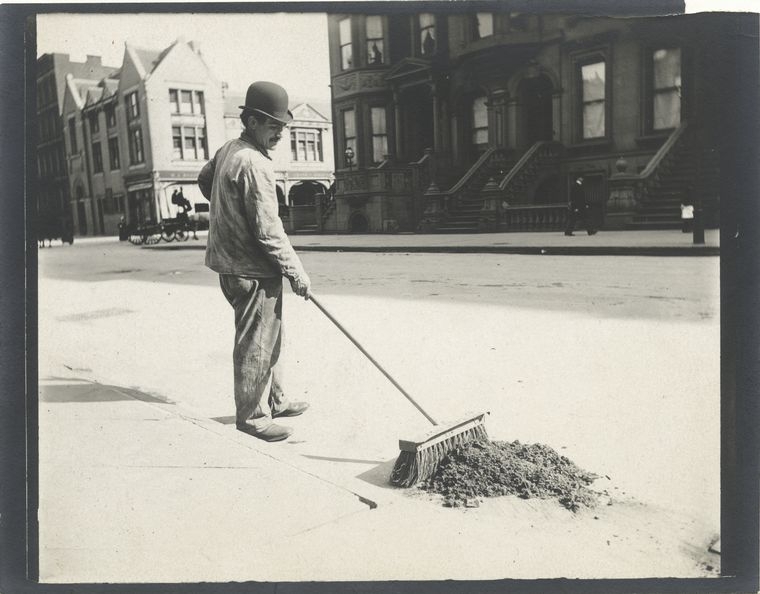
(663, 251)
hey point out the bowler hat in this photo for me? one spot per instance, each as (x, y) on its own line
(270, 99)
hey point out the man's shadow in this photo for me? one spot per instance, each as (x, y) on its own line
(378, 475)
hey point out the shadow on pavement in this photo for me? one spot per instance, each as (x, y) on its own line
(229, 420)
(379, 475)
(343, 460)
(64, 390)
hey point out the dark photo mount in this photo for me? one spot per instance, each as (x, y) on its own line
(736, 137)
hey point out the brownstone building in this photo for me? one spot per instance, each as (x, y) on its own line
(479, 121)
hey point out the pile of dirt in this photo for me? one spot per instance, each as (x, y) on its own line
(488, 469)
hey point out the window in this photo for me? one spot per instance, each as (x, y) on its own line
(189, 143)
(136, 147)
(97, 158)
(666, 86)
(349, 134)
(374, 26)
(185, 102)
(94, 123)
(379, 134)
(113, 153)
(133, 107)
(346, 57)
(110, 116)
(479, 121)
(176, 142)
(427, 34)
(173, 101)
(593, 98)
(483, 24)
(306, 145)
(198, 107)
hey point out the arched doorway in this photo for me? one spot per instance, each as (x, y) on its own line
(535, 100)
(358, 223)
(303, 192)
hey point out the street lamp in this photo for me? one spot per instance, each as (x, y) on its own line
(349, 154)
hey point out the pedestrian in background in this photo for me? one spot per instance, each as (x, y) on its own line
(687, 218)
(249, 249)
(579, 210)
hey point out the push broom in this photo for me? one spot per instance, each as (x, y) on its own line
(419, 458)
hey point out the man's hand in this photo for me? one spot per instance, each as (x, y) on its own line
(301, 285)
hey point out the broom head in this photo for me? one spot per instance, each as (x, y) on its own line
(419, 458)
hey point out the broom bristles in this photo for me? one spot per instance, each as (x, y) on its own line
(413, 467)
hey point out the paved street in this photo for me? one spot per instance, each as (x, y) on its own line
(613, 361)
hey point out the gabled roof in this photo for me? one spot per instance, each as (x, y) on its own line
(304, 111)
(80, 90)
(110, 86)
(148, 59)
(413, 67)
(93, 95)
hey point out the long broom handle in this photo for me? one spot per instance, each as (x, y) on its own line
(371, 358)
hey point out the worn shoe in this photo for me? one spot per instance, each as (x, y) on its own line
(293, 409)
(273, 432)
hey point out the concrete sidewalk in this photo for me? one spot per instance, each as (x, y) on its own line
(143, 477)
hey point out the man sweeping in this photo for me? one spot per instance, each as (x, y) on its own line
(248, 248)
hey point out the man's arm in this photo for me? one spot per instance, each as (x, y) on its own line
(206, 178)
(262, 211)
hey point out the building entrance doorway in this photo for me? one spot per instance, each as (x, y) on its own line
(81, 218)
(535, 97)
(417, 125)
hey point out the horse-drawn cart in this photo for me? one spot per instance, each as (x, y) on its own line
(178, 229)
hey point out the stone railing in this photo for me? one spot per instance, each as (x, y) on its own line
(541, 157)
(438, 203)
(540, 217)
(501, 208)
(628, 189)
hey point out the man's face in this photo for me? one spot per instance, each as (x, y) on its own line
(267, 134)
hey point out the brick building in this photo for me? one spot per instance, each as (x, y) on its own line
(134, 135)
(480, 120)
(138, 134)
(52, 166)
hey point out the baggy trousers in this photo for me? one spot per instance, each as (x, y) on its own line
(258, 336)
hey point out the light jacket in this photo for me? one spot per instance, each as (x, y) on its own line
(246, 236)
